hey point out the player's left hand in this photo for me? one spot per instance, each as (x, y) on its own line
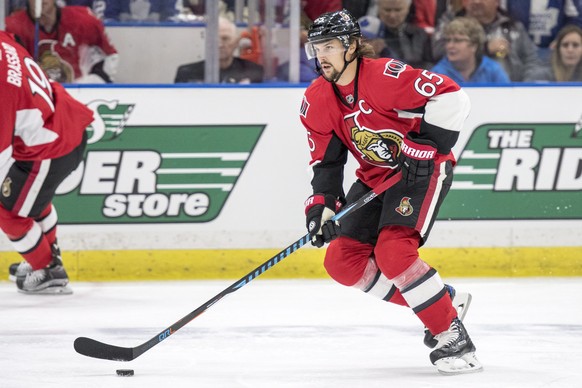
(416, 158)
(319, 209)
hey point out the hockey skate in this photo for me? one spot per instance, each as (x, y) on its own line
(18, 270)
(461, 302)
(455, 353)
(52, 279)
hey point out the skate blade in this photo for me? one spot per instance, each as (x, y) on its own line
(467, 363)
(461, 302)
(53, 290)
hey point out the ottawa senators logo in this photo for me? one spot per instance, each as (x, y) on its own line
(50, 60)
(7, 187)
(394, 68)
(378, 147)
(405, 209)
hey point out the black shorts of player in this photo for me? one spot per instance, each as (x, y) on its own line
(399, 205)
(17, 182)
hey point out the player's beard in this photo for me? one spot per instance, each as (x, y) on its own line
(334, 73)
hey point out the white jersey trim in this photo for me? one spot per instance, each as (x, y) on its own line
(30, 239)
(435, 198)
(448, 110)
(6, 161)
(35, 188)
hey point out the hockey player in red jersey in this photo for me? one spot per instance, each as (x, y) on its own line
(72, 43)
(42, 140)
(393, 119)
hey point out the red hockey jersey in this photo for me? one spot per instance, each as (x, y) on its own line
(38, 118)
(77, 33)
(387, 100)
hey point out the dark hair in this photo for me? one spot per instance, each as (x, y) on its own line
(365, 49)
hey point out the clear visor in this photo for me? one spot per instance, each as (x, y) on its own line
(323, 49)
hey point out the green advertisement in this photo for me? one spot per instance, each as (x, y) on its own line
(518, 171)
(154, 174)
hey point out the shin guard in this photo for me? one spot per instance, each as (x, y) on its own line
(374, 282)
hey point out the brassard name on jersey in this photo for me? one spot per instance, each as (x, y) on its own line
(14, 73)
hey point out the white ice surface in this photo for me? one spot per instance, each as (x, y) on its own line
(288, 334)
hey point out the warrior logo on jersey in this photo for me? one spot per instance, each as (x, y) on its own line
(304, 107)
(378, 147)
(394, 68)
(405, 208)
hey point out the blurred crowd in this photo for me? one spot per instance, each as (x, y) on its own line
(471, 41)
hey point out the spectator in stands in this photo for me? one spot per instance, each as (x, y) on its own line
(507, 40)
(232, 69)
(372, 29)
(447, 7)
(99, 7)
(193, 7)
(140, 10)
(72, 46)
(464, 60)
(566, 59)
(307, 71)
(423, 14)
(543, 19)
(16, 5)
(314, 8)
(108, 10)
(197, 9)
(407, 42)
(361, 8)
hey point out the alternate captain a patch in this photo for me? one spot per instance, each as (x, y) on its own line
(405, 208)
(304, 107)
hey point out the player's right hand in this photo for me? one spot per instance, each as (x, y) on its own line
(416, 159)
(319, 209)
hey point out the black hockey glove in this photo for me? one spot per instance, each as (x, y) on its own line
(319, 209)
(416, 158)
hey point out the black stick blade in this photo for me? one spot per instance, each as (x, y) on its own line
(91, 348)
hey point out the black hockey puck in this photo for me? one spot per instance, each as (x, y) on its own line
(124, 372)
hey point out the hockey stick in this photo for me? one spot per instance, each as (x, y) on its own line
(92, 348)
(37, 14)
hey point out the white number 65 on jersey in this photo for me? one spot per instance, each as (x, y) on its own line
(427, 87)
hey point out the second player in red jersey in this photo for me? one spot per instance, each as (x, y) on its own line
(42, 140)
(72, 45)
(393, 119)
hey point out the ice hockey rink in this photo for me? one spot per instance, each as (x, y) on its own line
(287, 333)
